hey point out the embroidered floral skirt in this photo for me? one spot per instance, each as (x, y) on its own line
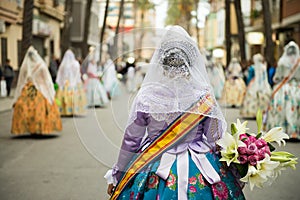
(71, 101)
(254, 101)
(233, 92)
(32, 113)
(148, 186)
(284, 110)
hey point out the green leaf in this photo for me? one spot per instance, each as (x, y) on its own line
(272, 148)
(233, 129)
(259, 120)
(258, 135)
(242, 169)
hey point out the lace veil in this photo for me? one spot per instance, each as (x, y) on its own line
(176, 79)
(290, 55)
(34, 69)
(69, 70)
(91, 57)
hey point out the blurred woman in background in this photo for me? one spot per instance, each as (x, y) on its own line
(70, 94)
(34, 107)
(284, 106)
(235, 87)
(258, 90)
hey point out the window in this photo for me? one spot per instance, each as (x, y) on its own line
(19, 53)
(3, 50)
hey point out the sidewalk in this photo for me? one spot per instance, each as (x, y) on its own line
(6, 102)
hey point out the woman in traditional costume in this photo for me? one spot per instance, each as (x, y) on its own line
(217, 78)
(235, 87)
(95, 91)
(70, 94)
(34, 107)
(110, 80)
(168, 150)
(130, 79)
(258, 89)
(284, 106)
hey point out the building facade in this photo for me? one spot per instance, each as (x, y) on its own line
(47, 23)
(10, 31)
(285, 25)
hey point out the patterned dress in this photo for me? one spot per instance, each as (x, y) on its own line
(95, 91)
(235, 87)
(258, 91)
(32, 113)
(149, 184)
(284, 108)
(71, 101)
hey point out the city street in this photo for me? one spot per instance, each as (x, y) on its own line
(71, 164)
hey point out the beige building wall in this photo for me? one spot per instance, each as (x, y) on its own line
(55, 37)
(233, 20)
(13, 33)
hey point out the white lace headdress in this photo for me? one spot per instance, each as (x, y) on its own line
(290, 55)
(176, 79)
(69, 70)
(34, 69)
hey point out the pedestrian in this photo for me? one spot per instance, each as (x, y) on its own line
(168, 150)
(284, 105)
(258, 90)
(53, 68)
(130, 82)
(70, 93)
(9, 75)
(1, 73)
(271, 72)
(216, 76)
(235, 87)
(34, 107)
(95, 91)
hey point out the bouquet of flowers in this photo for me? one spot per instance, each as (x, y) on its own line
(253, 154)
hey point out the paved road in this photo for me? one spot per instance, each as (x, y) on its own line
(71, 164)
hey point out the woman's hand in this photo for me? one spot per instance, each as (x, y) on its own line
(110, 189)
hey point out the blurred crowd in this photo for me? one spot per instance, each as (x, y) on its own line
(272, 89)
(69, 86)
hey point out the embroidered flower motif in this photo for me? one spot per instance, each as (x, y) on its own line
(171, 182)
(220, 190)
(201, 180)
(138, 196)
(131, 195)
(192, 189)
(223, 171)
(152, 181)
(192, 180)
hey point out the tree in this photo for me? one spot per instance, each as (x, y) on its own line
(27, 26)
(269, 49)
(84, 43)
(66, 32)
(241, 32)
(179, 12)
(227, 32)
(103, 29)
(115, 46)
(143, 6)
